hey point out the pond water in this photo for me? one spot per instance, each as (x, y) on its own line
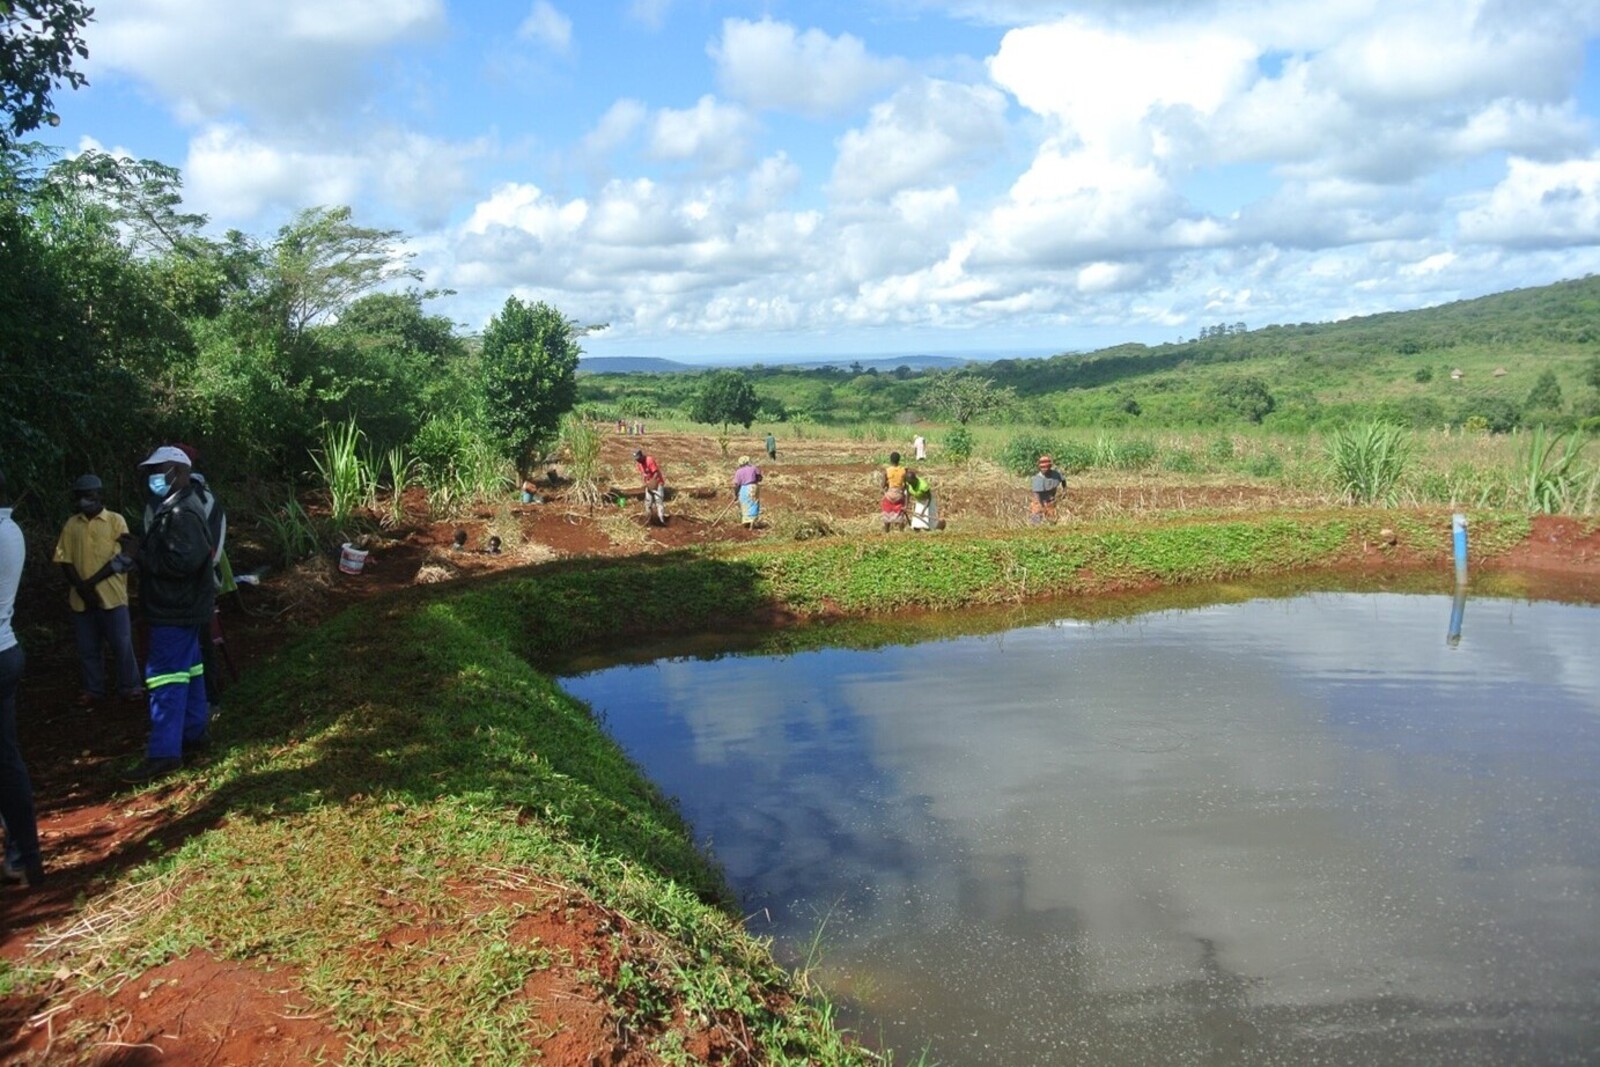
(1309, 830)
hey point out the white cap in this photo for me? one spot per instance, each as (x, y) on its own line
(166, 454)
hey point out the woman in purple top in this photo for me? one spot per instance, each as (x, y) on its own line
(745, 480)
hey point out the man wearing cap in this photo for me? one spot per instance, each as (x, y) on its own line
(1042, 508)
(655, 487)
(178, 593)
(89, 552)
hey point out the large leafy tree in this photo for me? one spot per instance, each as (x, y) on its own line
(321, 261)
(530, 363)
(725, 398)
(398, 365)
(39, 41)
(1247, 397)
(1545, 394)
(964, 397)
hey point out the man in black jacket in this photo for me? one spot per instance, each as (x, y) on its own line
(177, 593)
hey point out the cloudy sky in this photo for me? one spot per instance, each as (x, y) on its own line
(842, 177)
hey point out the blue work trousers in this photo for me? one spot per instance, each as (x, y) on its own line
(16, 788)
(175, 675)
(99, 630)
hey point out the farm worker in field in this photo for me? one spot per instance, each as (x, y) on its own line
(746, 486)
(655, 487)
(178, 590)
(1042, 508)
(88, 551)
(924, 512)
(893, 507)
(772, 447)
(919, 446)
(22, 860)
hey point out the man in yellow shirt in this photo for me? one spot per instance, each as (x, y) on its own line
(89, 551)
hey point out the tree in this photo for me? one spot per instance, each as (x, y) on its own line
(725, 397)
(963, 397)
(38, 42)
(530, 374)
(321, 261)
(142, 196)
(1545, 394)
(1591, 373)
(1247, 397)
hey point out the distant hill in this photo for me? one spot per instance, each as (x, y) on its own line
(635, 365)
(652, 365)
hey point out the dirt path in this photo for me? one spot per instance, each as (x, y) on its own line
(200, 1010)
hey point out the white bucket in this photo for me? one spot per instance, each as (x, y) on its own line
(351, 558)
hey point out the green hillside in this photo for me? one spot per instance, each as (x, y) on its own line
(1400, 367)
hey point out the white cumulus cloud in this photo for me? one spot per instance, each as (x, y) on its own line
(770, 64)
(281, 61)
(924, 135)
(711, 135)
(547, 26)
(1541, 204)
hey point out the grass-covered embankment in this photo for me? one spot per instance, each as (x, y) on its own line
(403, 788)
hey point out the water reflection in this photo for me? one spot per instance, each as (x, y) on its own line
(1273, 832)
(1458, 611)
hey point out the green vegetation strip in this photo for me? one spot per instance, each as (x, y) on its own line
(404, 786)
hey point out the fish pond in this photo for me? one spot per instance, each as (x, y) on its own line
(1329, 827)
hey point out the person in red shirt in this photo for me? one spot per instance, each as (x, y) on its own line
(655, 487)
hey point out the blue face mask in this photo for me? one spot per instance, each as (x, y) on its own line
(158, 483)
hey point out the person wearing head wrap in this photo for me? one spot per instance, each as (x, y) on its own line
(746, 486)
(177, 592)
(1046, 483)
(89, 552)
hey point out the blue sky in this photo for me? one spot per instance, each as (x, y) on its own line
(763, 180)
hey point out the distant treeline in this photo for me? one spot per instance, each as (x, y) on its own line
(1517, 358)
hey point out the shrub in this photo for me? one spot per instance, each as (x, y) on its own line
(1021, 454)
(1264, 465)
(1181, 461)
(1221, 450)
(958, 443)
(1073, 456)
(1135, 454)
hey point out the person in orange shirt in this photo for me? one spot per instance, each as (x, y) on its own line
(88, 552)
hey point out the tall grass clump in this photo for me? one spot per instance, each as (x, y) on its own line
(580, 442)
(1550, 480)
(346, 473)
(402, 470)
(1367, 462)
(292, 532)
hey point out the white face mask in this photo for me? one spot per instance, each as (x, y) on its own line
(159, 484)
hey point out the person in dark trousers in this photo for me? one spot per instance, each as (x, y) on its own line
(1045, 485)
(772, 447)
(212, 651)
(178, 592)
(655, 487)
(23, 862)
(87, 552)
